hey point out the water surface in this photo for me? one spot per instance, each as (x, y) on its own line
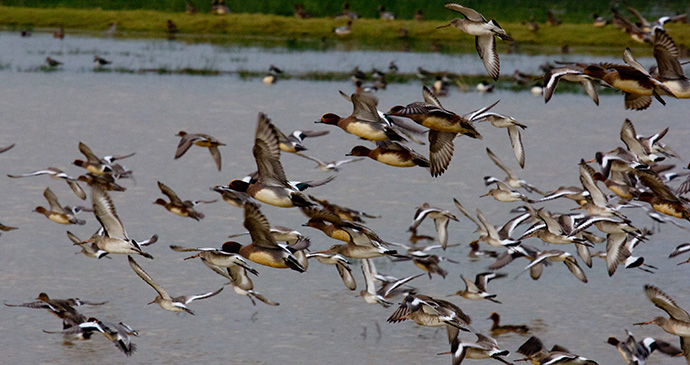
(318, 320)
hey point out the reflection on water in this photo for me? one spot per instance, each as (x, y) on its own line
(318, 320)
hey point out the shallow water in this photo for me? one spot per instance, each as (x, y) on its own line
(318, 320)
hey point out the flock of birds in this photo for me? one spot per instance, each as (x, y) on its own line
(636, 175)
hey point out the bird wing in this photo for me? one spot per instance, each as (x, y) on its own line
(442, 229)
(470, 14)
(147, 278)
(574, 267)
(190, 298)
(430, 98)
(629, 137)
(215, 153)
(420, 215)
(632, 62)
(170, 194)
(440, 151)
(666, 54)
(500, 164)
(652, 180)
(614, 242)
(90, 156)
(318, 162)
(665, 303)
(346, 274)
(590, 90)
(516, 142)
(390, 287)
(469, 285)
(267, 153)
(486, 47)
(636, 101)
(368, 276)
(258, 226)
(586, 173)
(364, 108)
(104, 209)
(53, 201)
(189, 249)
(185, 143)
(467, 214)
(551, 78)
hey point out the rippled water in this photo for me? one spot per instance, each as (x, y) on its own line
(318, 320)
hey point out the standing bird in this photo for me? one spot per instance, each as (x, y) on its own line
(177, 304)
(485, 31)
(171, 28)
(201, 140)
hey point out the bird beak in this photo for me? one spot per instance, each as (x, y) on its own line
(151, 302)
(642, 323)
(191, 257)
(444, 26)
(487, 194)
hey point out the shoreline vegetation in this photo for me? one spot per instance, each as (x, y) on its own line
(317, 33)
(292, 33)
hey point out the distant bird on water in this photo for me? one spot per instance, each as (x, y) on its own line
(53, 62)
(344, 30)
(101, 61)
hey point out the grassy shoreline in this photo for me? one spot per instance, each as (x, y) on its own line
(315, 32)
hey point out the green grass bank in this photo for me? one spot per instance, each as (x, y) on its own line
(317, 32)
(510, 11)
